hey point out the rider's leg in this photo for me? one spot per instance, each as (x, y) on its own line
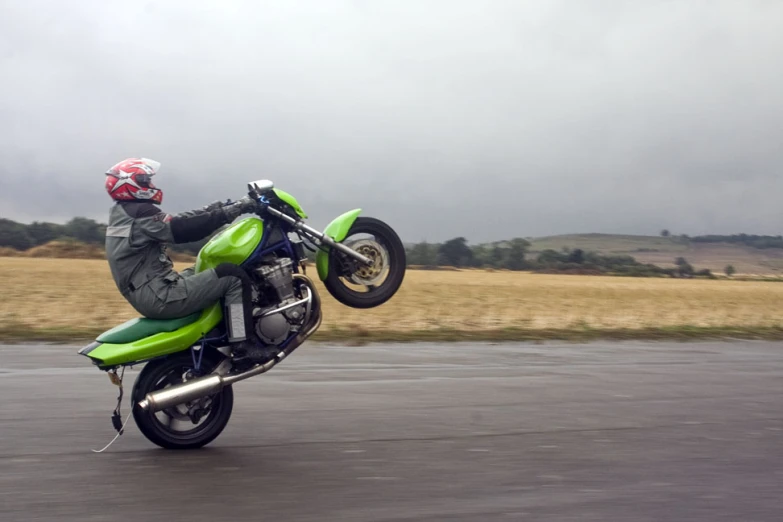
(169, 299)
(195, 292)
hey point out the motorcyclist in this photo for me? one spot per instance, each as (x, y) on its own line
(136, 239)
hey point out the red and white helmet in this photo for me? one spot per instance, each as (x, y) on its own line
(131, 179)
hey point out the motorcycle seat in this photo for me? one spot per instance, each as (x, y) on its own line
(142, 327)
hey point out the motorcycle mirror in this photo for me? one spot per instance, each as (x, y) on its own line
(261, 186)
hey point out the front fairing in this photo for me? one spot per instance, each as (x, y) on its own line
(291, 201)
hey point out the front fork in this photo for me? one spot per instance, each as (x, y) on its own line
(321, 237)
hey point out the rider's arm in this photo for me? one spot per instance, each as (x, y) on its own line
(192, 227)
(152, 222)
(187, 227)
(209, 208)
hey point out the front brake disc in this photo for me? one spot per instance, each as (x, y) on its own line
(369, 275)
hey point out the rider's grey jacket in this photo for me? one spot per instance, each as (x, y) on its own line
(136, 241)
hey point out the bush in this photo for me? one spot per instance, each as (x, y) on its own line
(753, 241)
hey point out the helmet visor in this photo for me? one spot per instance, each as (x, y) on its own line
(153, 165)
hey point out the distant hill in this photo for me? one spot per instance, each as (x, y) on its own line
(662, 251)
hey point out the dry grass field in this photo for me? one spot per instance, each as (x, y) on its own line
(66, 298)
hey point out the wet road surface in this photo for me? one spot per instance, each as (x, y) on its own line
(554, 432)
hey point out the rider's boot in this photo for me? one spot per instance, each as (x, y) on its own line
(252, 352)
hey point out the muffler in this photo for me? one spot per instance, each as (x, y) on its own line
(200, 387)
(213, 383)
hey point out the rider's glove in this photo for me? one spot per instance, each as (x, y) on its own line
(236, 209)
(214, 206)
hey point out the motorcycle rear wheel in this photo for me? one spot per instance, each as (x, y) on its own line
(173, 428)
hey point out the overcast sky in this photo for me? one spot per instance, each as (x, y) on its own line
(488, 119)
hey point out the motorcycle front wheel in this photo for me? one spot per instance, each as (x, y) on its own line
(360, 286)
(185, 426)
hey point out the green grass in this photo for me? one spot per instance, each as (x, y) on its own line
(360, 336)
(611, 243)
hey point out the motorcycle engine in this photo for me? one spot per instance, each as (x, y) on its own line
(276, 319)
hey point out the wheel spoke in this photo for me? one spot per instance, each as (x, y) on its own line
(172, 379)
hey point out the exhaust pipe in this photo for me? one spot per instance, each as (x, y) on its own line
(200, 387)
(212, 384)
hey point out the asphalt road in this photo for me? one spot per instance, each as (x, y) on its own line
(560, 432)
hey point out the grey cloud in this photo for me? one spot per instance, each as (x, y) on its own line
(484, 119)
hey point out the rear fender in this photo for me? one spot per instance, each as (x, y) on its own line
(107, 355)
(337, 230)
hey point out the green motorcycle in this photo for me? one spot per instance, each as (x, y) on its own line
(183, 396)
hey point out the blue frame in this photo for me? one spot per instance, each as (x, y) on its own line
(262, 249)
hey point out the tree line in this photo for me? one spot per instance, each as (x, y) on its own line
(515, 255)
(749, 240)
(753, 241)
(20, 236)
(456, 252)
